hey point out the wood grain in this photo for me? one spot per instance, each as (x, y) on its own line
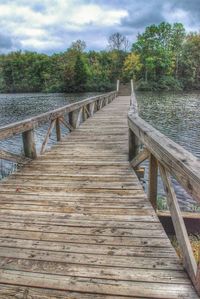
(76, 223)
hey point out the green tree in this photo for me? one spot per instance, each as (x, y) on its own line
(80, 74)
(189, 70)
(160, 49)
(132, 66)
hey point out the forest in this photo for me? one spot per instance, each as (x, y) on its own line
(163, 57)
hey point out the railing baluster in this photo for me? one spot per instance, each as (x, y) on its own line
(58, 129)
(29, 144)
(46, 139)
(179, 225)
(152, 182)
(91, 108)
(133, 145)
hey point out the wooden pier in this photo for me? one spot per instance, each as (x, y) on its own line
(75, 222)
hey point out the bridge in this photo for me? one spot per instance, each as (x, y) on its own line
(75, 221)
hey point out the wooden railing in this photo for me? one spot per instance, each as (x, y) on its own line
(75, 112)
(171, 160)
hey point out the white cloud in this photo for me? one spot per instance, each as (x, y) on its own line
(36, 24)
(95, 15)
(51, 25)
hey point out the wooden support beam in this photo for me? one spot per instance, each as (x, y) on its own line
(179, 226)
(75, 117)
(84, 113)
(28, 138)
(98, 104)
(91, 108)
(133, 145)
(66, 124)
(141, 157)
(44, 144)
(58, 129)
(79, 117)
(140, 172)
(197, 283)
(87, 111)
(152, 182)
(13, 157)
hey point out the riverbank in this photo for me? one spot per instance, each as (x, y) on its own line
(165, 84)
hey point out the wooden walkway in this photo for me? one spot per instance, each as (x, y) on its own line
(75, 223)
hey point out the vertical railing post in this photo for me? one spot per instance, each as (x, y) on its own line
(132, 87)
(197, 284)
(91, 108)
(76, 117)
(152, 182)
(58, 130)
(84, 114)
(133, 144)
(73, 118)
(28, 138)
(118, 82)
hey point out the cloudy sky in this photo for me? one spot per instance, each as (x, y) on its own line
(52, 25)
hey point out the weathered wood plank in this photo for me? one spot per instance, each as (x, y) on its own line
(77, 224)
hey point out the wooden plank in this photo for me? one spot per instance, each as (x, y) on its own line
(11, 291)
(102, 272)
(110, 287)
(77, 224)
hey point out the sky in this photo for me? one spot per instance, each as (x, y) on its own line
(50, 26)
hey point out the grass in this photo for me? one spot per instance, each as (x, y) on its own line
(162, 203)
(194, 239)
(195, 243)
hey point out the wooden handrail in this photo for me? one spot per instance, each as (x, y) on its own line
(77, 112)
(172, 160)
(184, 166)
(36, 121)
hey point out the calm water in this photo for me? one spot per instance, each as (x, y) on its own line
(15, 107)
(177, 115)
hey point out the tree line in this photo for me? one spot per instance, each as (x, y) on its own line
(164, 57)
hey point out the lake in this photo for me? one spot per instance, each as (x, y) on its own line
(16, 107)
(177, 115)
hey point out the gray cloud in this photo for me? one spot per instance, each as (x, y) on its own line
(53, 24)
